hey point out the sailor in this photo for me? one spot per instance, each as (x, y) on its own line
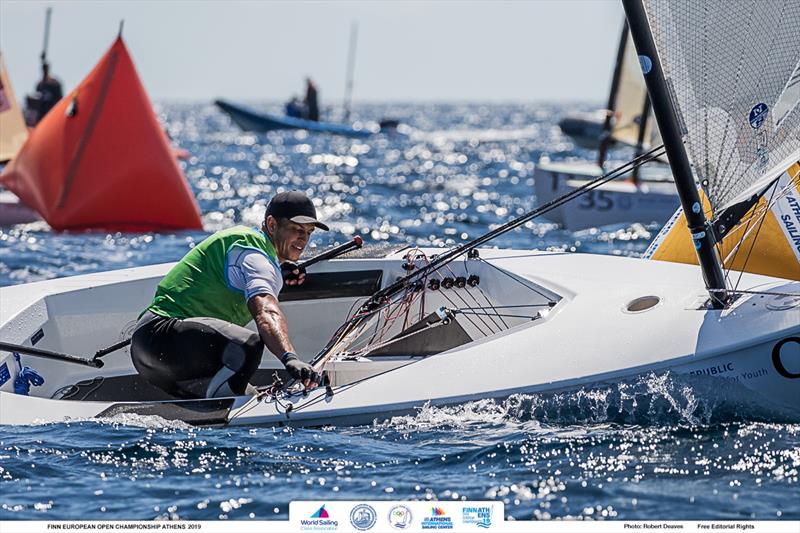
(191, 341)
(607, 139)
(49, 92)
(312, 107)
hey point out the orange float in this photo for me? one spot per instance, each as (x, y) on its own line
(100, 159)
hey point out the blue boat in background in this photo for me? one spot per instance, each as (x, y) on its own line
(251, 120)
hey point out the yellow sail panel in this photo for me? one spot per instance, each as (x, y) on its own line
(630, 97)
(12, 125)
(762, 243)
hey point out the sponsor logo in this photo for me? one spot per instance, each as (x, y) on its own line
(363, 517)
(321, 513)
(713, 370)
(791, 221)
(319, 521)
(400, 517)
(753, 374)
(758, 115)
(437, 520)
(477, 516)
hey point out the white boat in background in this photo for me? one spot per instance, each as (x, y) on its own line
(645, 194)
(652, 198)
(431, 326)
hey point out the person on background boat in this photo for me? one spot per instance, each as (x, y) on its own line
(48, 93)
(607, 139)
(294, 108)
(312, 107)
(191, 341)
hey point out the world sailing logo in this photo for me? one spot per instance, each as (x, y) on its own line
(321, 513)
(319, 521)
(437, 520)
(758, 115)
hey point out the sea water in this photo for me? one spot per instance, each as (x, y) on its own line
(655, 446)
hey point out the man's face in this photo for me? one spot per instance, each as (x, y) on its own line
(290, 238)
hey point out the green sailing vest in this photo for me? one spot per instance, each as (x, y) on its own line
(198, 285)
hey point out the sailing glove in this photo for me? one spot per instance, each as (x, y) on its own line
(298, 369)
(293, 273)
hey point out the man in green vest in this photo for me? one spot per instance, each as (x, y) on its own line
(191, 341)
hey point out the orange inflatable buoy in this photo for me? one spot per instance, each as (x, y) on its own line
(100, 159)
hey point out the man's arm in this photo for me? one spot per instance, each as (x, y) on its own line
(271, 323)
(272, 329)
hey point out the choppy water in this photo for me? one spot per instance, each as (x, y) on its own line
(653, 447)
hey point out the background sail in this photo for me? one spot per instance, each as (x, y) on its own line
(729, 66)
(12, 124)
(629, 100)
(776, 251)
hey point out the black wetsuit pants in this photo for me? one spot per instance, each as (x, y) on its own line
(195, 357)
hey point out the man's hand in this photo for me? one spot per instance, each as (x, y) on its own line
(300, 371)
(293, 273)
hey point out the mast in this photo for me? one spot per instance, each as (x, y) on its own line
(643, 118)
(699, 227)
(47, 14)
(612, 94)
(351, 65)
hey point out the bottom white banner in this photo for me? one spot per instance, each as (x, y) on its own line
(411, 516)
(389, 517)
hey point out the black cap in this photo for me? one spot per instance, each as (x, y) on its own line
(295, 206)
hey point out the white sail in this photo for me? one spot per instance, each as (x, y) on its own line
(12, 125)
(630, 99)
(732, 71)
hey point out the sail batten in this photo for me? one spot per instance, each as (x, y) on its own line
(732, 69)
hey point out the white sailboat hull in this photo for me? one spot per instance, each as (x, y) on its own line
(588, 338)
(654, 199)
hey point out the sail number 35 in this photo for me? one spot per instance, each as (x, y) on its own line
(599, 200)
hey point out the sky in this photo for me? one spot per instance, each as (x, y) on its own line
(407, 51)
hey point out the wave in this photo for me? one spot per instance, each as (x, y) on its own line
(121, 420)
(652, 399)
